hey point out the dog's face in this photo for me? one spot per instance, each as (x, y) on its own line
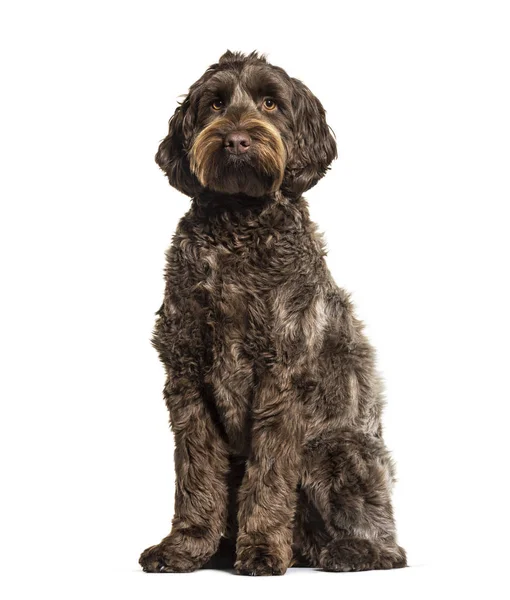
(246, 127)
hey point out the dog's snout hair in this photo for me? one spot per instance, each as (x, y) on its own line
(266, 163)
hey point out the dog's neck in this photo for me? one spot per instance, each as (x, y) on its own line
(223, 213)
(210, 204)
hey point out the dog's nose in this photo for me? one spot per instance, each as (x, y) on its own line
(237, 142)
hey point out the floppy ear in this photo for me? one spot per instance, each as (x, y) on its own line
(172, 153)
(314, 146)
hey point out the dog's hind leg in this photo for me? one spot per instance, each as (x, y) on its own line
(349, 480)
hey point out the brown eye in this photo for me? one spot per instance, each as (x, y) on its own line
(269, 104)
(217, 104)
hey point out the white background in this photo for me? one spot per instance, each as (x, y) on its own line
(415, 214)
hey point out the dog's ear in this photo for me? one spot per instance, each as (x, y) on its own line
(172, 152)
(314, 145)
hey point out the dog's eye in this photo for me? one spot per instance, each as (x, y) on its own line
(269, 104)
(217, 104)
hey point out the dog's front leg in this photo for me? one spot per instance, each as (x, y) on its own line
(267, 498)
(201, 496)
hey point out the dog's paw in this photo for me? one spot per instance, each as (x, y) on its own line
(164, 558)
(260, 560)
(393, 557)
(349, 555)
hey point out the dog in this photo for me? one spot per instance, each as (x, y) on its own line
(274, 398)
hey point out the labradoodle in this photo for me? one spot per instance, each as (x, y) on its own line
(274, 399)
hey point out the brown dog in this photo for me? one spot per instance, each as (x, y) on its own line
(274, 400)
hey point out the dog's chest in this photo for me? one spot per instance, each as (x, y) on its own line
(238, 310)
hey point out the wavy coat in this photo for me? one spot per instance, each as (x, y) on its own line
(272, 390)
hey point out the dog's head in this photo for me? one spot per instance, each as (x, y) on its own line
(246, 127)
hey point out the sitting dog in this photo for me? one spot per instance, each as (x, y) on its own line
(274, 400)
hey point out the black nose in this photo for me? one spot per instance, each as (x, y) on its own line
(237, 142)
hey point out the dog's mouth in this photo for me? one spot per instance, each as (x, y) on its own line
(237, 161)
(253, 165)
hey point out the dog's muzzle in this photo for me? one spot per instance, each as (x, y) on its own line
(244, 156)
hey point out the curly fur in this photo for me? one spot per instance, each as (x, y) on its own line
(274, 399)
